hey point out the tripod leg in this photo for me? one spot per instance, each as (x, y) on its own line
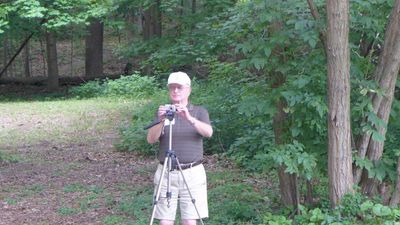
(188, 189)
(158, 190)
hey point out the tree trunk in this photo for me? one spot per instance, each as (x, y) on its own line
(146, 25)
(339, 133)
(43, 55)
(27, 67)
(94, 50)
(395, 200)
(5, 53)
(385, 75)
(158, 19)
(131, 23)
(52, 72)
(194, 6)
(288, 183)
(151, 22)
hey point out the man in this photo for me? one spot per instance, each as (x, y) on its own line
(189, 126)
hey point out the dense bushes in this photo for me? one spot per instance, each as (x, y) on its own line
(354, 209)
(133, 86)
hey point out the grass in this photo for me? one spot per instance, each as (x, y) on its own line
(64, 120)
(9, 158)
(234, 196)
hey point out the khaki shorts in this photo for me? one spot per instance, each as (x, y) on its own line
(196, 180)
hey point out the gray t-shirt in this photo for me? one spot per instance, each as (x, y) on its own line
(187, 143)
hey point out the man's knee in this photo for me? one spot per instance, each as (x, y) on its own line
(188, 222)
(167, 222)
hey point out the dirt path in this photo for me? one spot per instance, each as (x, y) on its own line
(67, 183)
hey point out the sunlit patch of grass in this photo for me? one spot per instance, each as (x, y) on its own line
(67, 211)
(116, 220)
(61, 121)
(32, 190)
(91, 195)
(9, 158)
(10, 201)
(74, 188)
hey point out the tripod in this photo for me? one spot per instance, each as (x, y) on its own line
(171, 161)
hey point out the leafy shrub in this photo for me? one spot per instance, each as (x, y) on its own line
(133, 86)
(133, 136)
(88, 90)
(354, 209)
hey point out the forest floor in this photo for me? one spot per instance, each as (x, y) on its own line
(59, 165)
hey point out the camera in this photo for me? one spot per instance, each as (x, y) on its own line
(170, 111)
(170, 108)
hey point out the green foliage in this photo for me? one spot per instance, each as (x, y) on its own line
(354, 209)
(133, 86)
(88, 90)
(133, 136)
(270, 219)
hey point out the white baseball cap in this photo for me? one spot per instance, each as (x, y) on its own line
(179, 78)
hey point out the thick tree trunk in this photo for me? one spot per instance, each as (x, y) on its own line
(386, 75)
(94, 50)
(5, 54)
(339, 133)
(158, 19)
(395, 200)
(146, 25)
(52, 72)
(131, 23)
(288, 183)
(151, 22)
(27, 65)
(194, 6)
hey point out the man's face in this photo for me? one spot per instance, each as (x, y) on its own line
(179, 93)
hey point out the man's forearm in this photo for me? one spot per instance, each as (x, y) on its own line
(202, 128)
(154, 133)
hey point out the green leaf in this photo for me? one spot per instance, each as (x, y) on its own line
(366, 205)
(376, 136)
(381, 210)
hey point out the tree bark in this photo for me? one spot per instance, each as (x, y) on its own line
(94, 50)
(339, 133)
(385, 75)
(151, 22)
(52, 71)
(27, 65)
(158, 19)
(395, 200)
(5, 53)
(288, 183)
(194, 6)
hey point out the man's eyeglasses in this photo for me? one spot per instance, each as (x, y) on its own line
(177, 87)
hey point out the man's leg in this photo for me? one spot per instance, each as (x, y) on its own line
(165, 212)
(197, 186)
(167, 222)
(189, 222)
